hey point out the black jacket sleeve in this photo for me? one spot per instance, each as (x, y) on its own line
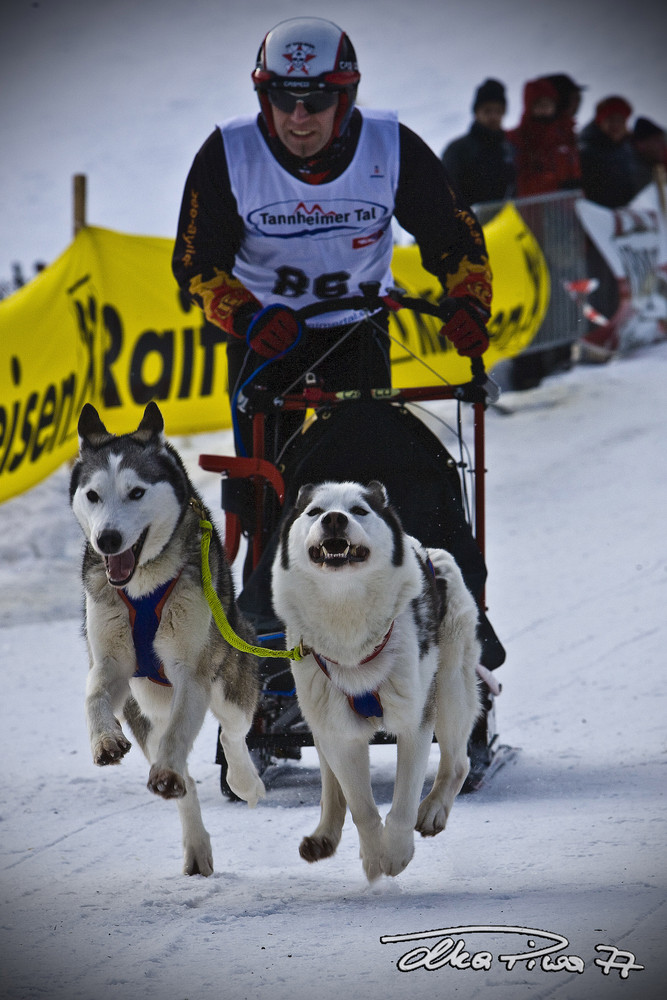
(208, 238)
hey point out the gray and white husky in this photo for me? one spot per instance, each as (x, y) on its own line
(391, 630)
(155, 654)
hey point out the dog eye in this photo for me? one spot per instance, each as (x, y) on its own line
(315, 511)
(359, 511)
(92, 496)
(136, 493)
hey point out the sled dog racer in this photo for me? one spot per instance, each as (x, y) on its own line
(295, 206)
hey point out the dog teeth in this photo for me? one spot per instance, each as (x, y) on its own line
(333, 551)
(327, 553)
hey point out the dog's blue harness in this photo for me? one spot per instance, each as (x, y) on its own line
(145, 613)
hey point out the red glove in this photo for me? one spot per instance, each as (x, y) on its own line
(273, 330)
(466, 329)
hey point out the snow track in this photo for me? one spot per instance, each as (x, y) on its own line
(568, 838)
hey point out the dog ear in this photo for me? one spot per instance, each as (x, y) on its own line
(300, 504)
(378, 499)
(376, 495)
(303, 497)
(152, 423)
(91, 429)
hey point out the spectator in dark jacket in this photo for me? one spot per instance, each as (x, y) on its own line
(610, 177)
(569, 96)
(650, 145)
(610, 174)
(567, 105)
(480, 164)
(546, 159)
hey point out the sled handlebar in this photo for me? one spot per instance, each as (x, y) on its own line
(371, 302)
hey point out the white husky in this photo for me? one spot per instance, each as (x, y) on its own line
(392, 633)
(155, 653)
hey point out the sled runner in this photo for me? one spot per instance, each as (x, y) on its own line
(362, 435)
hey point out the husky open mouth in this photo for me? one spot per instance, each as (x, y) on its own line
(337, 552)
(120, 566)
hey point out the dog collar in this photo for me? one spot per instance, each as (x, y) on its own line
(367, 705)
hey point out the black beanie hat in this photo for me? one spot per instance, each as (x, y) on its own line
(644, 128)
(490, 90)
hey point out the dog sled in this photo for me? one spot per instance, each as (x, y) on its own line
(360, 435)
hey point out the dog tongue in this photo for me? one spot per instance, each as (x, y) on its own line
(120, 566)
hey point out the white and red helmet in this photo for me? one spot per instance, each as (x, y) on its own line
(306, 55)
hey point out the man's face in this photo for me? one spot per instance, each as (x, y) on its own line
(490, 114)
(303, 134)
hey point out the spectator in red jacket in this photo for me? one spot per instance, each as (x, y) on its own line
(546, 156)
(547, 161)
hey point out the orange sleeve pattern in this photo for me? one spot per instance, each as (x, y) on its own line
(221, 297)
(472, 279)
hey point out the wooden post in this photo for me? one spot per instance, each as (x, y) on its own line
(79, 191)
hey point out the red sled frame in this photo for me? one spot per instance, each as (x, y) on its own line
(260, 472)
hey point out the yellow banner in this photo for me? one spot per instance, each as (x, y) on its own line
(521, 291)
(104, 323)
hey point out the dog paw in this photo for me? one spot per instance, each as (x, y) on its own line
(248, 787)
(316, 848)
(372, 865)
(431, 818)
(393, 865)
(110, 749)
(370, 854)
(198, 859)
(398, 848)
(166, 783)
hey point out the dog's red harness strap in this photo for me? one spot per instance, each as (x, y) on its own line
(367, 705)
(378, 649)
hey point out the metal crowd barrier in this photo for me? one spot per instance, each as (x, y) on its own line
(553, 221)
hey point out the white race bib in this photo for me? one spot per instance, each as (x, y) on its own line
(306, 243)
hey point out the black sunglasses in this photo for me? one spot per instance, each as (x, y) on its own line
(313, 102)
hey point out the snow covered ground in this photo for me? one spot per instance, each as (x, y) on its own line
(568, 839)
